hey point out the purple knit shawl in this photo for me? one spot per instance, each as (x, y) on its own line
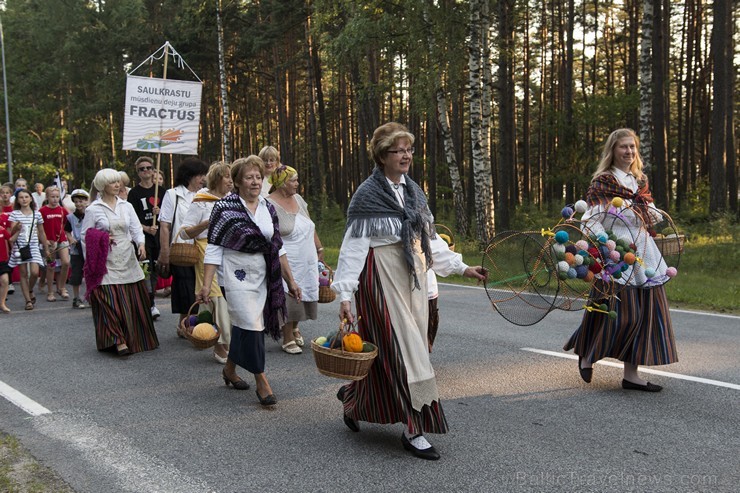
(97, 246)
(231, 227)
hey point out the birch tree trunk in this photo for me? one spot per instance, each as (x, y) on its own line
(226, 124)
(458, 194)
(646, 84)
(481, 174)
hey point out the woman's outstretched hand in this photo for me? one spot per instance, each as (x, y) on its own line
(477, 272)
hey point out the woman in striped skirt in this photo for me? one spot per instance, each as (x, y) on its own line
(388, 246)
(115, 282)
(642, 333)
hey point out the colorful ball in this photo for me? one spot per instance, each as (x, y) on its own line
(203, 331)
(595, 267)
(617, 275)
(570, 258)
(603, 307)
(572, 274)
(589, 276)
(562, 237)
(581, 271)
(611, 245)
(602, 238)
(572, 249)
(581, 206)
(557, 247)
(613, 315)
(582, 245)
(671, 272)
(563, 266)
(566, 212)
(617, 202)
(629, 258)
(578, 258)
(650, 273)
(562, 275)
(192, 320)
(614, 256)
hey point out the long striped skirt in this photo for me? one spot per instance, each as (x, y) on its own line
(122, 315)
(383, 396)
(642, 333)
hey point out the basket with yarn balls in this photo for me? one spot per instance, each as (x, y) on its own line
(446, 235)
(326, 277)
(200, 329)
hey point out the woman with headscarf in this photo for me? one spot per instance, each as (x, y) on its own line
(115, 282)
(387, 248)
(244, 239)
(304, 251)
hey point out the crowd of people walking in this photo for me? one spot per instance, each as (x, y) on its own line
(257, 270)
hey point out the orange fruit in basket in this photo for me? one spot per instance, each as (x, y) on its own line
(352, 342)
(203, 331)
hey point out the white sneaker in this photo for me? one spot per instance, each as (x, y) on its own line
(155, 313)
(11, 288)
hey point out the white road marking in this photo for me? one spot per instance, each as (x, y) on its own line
(26, 403)
(676, 310)
(641, 369)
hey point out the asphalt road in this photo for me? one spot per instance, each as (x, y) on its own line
(520, 420)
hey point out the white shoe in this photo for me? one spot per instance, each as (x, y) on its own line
(155, 313)
(292, 348)
(11, 288)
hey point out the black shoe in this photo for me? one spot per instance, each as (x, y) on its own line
(586, 373)
(340, 394)
(648, 387)
(427, 453)
(351, 423)
(270, 400)
(238, 384)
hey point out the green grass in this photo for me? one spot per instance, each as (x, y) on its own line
(708, 276)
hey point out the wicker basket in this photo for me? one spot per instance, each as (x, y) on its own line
(186, 330)
(326, 293)
(447, 231)
(670, 245)
(338, 363)
(183, 254)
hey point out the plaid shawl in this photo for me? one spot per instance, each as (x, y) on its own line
(606, 186)
(232, 228)
(375, 211)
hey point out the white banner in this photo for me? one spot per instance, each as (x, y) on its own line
(162, 115)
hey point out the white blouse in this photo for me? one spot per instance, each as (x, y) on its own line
(353, 253)
(95, 218)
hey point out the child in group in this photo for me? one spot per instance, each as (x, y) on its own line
(6, 191)
(73, 227)
(6, 242)
(54, 218)
(28, 223)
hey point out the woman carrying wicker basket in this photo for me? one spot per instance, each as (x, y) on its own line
(244, 239)
(195, 226)
(387, 247)
(642, 333)
(304, 251)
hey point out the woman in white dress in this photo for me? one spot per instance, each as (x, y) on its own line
(302, 244)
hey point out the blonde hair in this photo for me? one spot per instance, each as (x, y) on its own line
(104, 177)
(218, 170)
(268, 152)
(385, 137)
(242, 164)
(607, 154)
(52, 188)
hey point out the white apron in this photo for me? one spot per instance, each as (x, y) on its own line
(122, 264)
(301, 251)
(245, 281)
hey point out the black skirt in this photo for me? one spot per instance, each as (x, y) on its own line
(247, 349)
(183, 288)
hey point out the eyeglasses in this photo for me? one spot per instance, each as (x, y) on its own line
(409, 151)
(145, 168)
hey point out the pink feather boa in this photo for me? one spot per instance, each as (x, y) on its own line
(97, 246)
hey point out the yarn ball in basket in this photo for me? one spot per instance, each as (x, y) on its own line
(205, 317)
(352, 342)
(203, 331)
(192, 320)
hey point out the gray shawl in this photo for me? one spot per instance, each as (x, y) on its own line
(375, 211)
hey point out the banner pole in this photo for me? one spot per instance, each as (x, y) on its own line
(159, 154)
